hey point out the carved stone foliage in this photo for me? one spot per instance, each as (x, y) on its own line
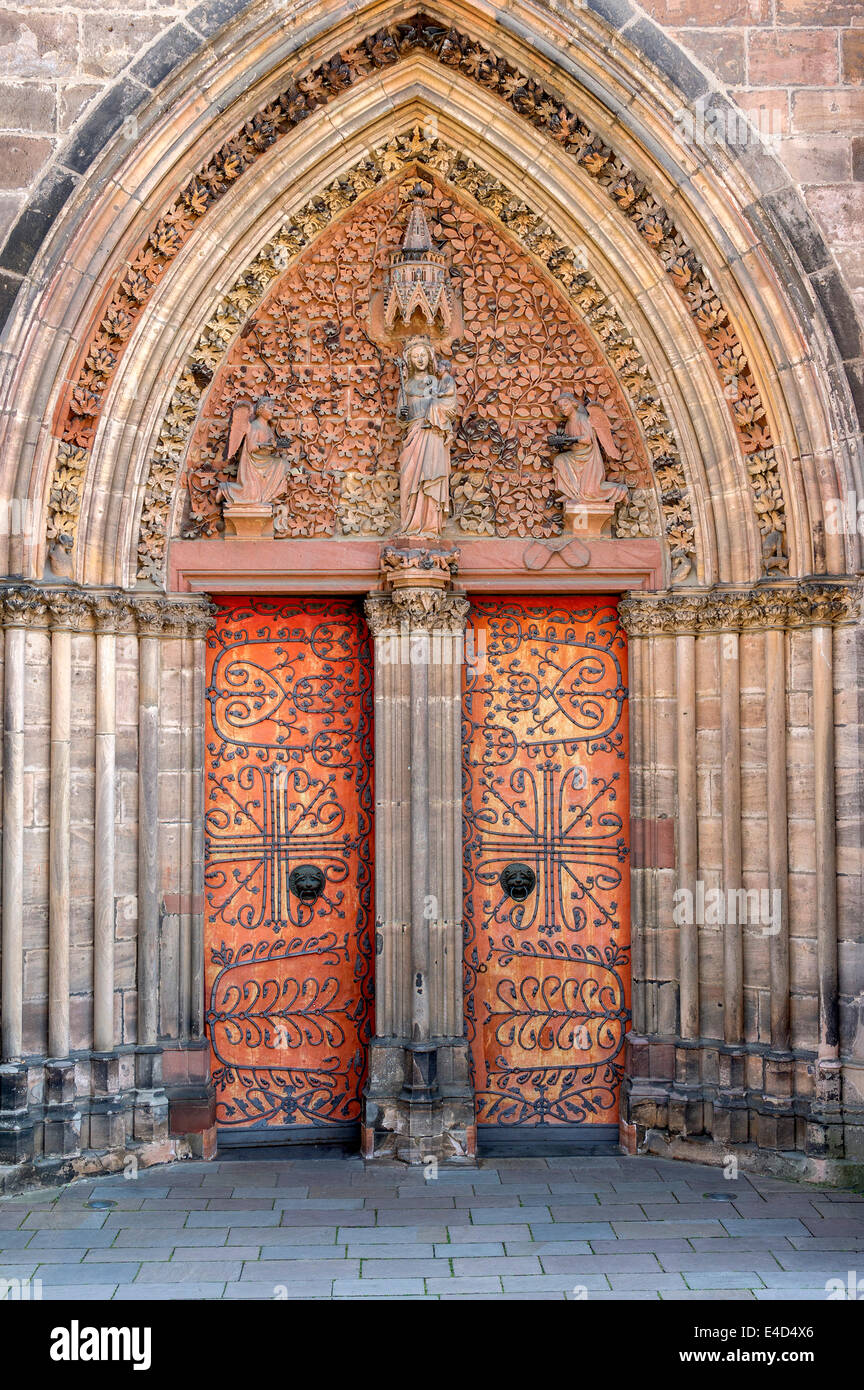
(334, 389)
(534, 103)
(637, 515)
(416, 609)
(61, 606)
(812, 603)
(374, 495)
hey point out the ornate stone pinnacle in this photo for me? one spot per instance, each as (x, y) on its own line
(418, 278)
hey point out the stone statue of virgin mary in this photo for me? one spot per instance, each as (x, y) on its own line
(427, 407)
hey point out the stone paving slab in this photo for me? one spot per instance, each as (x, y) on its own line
(557, 1229)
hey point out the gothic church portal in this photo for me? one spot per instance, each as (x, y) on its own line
(432, 605)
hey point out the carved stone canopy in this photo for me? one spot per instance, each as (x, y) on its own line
(420, 293)
(418, 279)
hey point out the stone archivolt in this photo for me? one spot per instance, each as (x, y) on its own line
(531, 101)
(367, 497)
(808, 603)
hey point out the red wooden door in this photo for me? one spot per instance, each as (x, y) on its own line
(546, 861)
(288, 873)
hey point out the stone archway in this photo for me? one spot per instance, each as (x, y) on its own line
(743, 623)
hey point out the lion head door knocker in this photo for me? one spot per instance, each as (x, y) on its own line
(306, 882)
(518, 881)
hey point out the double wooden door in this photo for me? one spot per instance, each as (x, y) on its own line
(289, 916)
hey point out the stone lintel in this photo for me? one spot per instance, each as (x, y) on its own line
(512, 564)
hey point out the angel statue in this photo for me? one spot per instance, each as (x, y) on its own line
(583, 438)
(427, 406)
(261, 469)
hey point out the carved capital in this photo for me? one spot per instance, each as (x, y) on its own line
(100, 610)
(809, 603)
(167, 617)
(25, 606)
(69, 610)
(416, 610)
(113, 612)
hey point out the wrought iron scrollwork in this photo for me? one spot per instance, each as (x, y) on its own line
(288, 876)
(545, 861)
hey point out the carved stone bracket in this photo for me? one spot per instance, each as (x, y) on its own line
(433, 567)
(809, 603)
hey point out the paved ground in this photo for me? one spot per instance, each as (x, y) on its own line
(595, 1228)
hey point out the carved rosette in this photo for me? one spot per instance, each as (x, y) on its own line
(811, 603)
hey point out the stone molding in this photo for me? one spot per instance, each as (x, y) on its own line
(809, 603)
(64, 607)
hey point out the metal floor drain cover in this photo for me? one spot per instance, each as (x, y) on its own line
(719, 1196)
(101, 1204)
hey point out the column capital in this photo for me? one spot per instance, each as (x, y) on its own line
(158, 616)
(416, 609)
(811, 602)
(71, 607)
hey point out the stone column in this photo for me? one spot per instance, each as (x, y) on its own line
(58, 880)
(731, 1085)
(62, 1121)
(730, 1111)
(776, 1126)
(825, 1132)
(105, 812)
(108, 1104)
(151, 1103)
(174, 1092)
(418, 1102)
(16, 1124)
(186, 1057)
(13, 843)
(688, 939)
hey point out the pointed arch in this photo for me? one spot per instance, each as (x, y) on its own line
(591, 125)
